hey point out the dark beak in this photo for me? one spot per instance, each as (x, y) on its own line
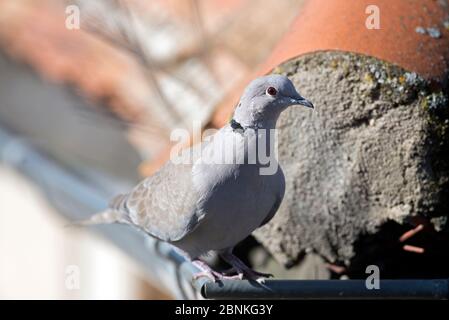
(298, 100)
(305, 103)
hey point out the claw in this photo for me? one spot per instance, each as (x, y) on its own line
(257, 276)
(263, 274)
(213, 275)
(243, 270)
(205, 274)
(238, 271)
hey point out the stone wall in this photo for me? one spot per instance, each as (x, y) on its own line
(370, 161)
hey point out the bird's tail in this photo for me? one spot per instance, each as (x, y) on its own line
(105, 217)
(114, 214)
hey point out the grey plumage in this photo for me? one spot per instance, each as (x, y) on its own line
(205, 205)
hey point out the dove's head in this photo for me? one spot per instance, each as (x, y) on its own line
(265, 98)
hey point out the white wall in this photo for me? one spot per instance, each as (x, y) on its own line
(37, 249)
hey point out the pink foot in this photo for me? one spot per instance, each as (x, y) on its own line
(212, 274)
(243, 270)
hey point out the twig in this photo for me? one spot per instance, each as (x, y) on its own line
(409, 234)
(413, 249)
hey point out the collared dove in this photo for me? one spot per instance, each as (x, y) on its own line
(207, 205)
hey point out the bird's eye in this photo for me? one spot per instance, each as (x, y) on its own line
(271, 91)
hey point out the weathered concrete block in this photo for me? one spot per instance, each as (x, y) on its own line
(374, 151)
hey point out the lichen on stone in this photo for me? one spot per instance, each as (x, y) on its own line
(374, 151)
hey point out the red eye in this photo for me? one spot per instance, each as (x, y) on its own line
(271, 91)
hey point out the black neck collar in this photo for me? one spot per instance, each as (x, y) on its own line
(236, 125)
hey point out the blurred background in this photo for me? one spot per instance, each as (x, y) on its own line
(91, 90)
(96, 105)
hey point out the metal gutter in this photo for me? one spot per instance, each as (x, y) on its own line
(435, 289)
